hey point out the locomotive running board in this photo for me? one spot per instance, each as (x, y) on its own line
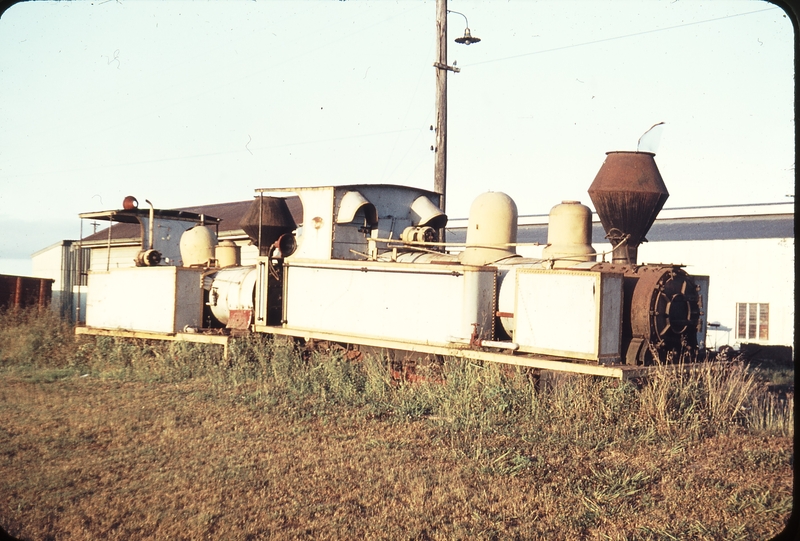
(199, 338)
(622, 372)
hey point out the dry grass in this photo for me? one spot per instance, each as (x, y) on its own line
(118, 440)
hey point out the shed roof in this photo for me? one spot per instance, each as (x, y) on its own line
(723, 228)
(228, 214)
(776, 226)
(703, 224)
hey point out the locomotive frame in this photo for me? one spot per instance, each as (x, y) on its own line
(364, 267)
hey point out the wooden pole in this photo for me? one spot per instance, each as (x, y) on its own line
(18, 293)
(440, 161)
(42, 293)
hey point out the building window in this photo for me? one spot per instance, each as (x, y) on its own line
(752, 321)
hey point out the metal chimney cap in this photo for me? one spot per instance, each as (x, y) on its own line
(630, 152)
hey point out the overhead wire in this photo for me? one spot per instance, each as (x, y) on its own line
(207, 154)
(346, 36)
(603, 40)
(228, 82)
(423, 68)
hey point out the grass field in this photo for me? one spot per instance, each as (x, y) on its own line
(112, 439)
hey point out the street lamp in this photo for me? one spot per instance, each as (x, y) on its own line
(440, 161)
(467, 38)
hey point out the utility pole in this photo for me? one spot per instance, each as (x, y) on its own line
(440, 159)
(440, 156)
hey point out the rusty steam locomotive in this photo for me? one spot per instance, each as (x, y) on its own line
(365, 265)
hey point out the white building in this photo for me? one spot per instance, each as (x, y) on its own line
(59, 262)
(748, 252)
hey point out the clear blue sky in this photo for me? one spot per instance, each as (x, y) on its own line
(195, 103)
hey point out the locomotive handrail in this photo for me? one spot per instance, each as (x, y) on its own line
(445, 244)
(384, 267)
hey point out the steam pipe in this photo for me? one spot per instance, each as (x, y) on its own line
(260, 219)
(80, 277)
(400, 242)
(152, 216)
(108, 249)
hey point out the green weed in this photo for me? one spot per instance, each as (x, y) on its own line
(467, 401)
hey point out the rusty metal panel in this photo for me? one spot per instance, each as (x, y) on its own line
(240, 319)
(24, 291)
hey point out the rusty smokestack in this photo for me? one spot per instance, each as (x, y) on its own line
(275, 220)
(628, 193)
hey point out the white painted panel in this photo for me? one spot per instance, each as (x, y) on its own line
(386, 301)
(249, 253)
(315, 235)
(154, 299)
(118, 257)
(562, 313)
(47, 264)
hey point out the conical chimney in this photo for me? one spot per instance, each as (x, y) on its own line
(628, 193)
(275, 220)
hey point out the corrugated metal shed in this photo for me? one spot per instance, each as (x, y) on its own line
(676, 229)
(723, 228)
(229, 215)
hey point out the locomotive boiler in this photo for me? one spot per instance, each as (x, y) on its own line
(366, 265)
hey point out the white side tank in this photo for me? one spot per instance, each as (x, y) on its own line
(197, 245)
(491, 228)
(569, 235)
(232, 289)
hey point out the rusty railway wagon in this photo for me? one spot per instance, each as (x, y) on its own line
(367, 266)
(24, 291)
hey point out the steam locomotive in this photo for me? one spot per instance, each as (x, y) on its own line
(368, 265)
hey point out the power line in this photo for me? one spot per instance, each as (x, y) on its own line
(617, 37)
(423, 69)
(138, 116)
(208, 154)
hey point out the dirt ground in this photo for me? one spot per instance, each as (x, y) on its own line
(86, 458)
